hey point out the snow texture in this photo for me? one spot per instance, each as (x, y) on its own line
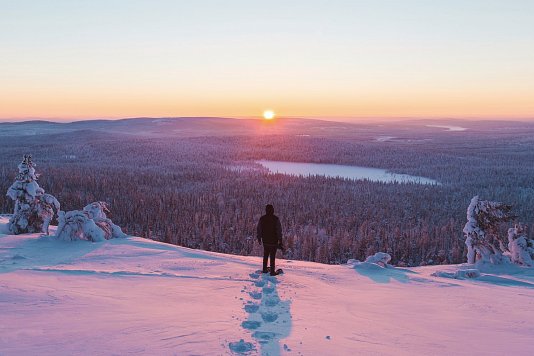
(136, 296)
(459, 274)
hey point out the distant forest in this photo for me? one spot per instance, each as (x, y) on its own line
(184, 191)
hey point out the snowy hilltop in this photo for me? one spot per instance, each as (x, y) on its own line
(132, 295)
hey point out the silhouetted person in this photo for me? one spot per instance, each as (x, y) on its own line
(270, 233)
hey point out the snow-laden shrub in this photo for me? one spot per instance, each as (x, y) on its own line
(520, 246)
(379, 258)
(75, 225)
(97, 212)
(481, 231)
(33, 208)
(90, 224)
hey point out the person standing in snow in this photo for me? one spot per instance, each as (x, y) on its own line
(269, 232)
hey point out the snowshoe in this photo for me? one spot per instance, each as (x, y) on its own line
(277, 272)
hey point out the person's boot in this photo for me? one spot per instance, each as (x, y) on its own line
(265, 270)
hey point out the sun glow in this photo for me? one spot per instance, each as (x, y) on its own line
(268, 114)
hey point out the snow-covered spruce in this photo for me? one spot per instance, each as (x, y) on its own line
(90, 224)
(520, 246)
(33, 208)
(484, 245)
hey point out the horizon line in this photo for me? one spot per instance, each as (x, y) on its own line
(259, 117)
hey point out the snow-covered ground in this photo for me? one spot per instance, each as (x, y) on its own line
(135, 296)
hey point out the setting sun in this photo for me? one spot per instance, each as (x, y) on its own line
(268, 114)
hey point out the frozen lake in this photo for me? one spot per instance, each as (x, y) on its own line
(448, 128)
(336, 170)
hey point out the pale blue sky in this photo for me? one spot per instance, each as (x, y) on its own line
(70, 59)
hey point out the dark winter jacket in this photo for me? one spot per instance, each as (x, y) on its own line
(270, 230)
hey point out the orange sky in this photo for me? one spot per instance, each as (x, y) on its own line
(69, 60)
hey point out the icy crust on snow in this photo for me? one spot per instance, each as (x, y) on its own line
(136, 296)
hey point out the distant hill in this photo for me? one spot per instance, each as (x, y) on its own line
(219, 126)
(184, 126)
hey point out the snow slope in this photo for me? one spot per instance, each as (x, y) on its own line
(135, 296)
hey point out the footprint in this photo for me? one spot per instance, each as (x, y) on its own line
(251, 325)
(268, 290)
(255, 295)
(273, 280)
(251, 308)
(259, 283)
(241, 347)
(271, 302)
(269, 317)
(264, 335)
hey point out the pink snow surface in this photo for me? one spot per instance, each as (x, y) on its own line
(135, 296)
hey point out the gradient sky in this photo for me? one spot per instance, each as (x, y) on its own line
(92, 59)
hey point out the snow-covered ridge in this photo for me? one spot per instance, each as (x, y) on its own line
(134, 295)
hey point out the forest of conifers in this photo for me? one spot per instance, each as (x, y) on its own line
(184, 190)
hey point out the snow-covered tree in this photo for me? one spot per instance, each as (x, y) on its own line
(90, 224)
(33, 208)
(481, 231)
(379, 258)
(97, 212)
(75, 225)
(520, 246)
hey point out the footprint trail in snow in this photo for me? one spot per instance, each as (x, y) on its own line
(269, 317)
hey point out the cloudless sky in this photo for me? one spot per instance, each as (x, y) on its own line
(383, 58)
